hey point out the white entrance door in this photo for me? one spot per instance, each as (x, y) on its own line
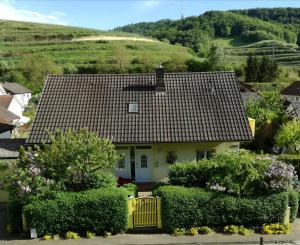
(143, 165)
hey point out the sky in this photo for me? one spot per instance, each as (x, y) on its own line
(108, 14)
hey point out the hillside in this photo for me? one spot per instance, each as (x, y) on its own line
(75, 50)
(245, 30)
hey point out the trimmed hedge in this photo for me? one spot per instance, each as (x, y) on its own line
(191, 207)
(294, 204)
(96, 210)
(188, 174)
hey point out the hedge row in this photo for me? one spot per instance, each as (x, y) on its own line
(189, 207)
(293, 196)
(96, 210)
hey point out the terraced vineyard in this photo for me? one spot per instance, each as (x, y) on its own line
(287, 55)
(80, 46)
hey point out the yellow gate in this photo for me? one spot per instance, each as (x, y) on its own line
(144, 212)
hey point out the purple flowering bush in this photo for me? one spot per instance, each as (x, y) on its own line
(74, 161)
(279, 176)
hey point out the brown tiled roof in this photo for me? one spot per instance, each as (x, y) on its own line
(196, 107)
(7, 117)
(293, 89)
(5, 100)
(15, 88)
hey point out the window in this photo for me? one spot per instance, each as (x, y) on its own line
(121, 162)
(144, 161)
(171, 157)
(204, 154)
(209, 154)
(200, 155)
(133, 107)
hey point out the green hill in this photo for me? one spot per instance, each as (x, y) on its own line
(248, 28)
(76, 50)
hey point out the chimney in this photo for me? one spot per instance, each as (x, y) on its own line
(160, 83)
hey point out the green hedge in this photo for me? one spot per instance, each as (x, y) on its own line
(188, 174)
(293, 203)
(187, 207)
(96, 210)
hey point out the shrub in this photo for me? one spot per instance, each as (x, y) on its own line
(192, 231)
(205, 230)
(72, 235)
(231, 229)
(90, 235)
(178, 232)
(47, 237)
(131, 188)
(96, 210)
(238, 172)
(188, 174)
(291, 159)
(95, 180)
(280, 176)
(294, 204)
(289, 136)
(244, 231)
(186, 207)
(276, 229)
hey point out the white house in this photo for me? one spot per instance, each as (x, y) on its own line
(13, 105)
(21, 93)
(153, 119)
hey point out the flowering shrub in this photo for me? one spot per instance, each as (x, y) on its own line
(244, 231)
(193, 231)
(47, 237)
(74, 161)
(90, 235)
(279, 176)
(231, 229)
(72, 235)
(276, 229)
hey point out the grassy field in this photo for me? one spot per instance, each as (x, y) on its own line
(19, 39)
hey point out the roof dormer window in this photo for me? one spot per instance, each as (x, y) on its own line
(133, 107)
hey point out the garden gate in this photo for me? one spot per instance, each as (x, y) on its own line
(144, 212)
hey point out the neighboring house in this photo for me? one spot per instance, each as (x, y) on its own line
(22, 93)
(248, 92)
(292, 95)
(153, 119)
(7, 122)
(12, 104)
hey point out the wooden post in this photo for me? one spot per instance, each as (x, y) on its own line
(131, 202)
(159, 222)
(261, 241)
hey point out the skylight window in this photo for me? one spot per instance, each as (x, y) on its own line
(133, 107)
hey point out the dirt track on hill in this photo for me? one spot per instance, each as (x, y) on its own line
(113, 38)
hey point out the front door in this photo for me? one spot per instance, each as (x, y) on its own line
(143, 165)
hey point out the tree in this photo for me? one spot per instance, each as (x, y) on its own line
(240, 172)
(177, 63)
(215, 58)
(74, 161)
(36, 67)
(268, 70)
(289, 136)
(251, 69)
(269, 113)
